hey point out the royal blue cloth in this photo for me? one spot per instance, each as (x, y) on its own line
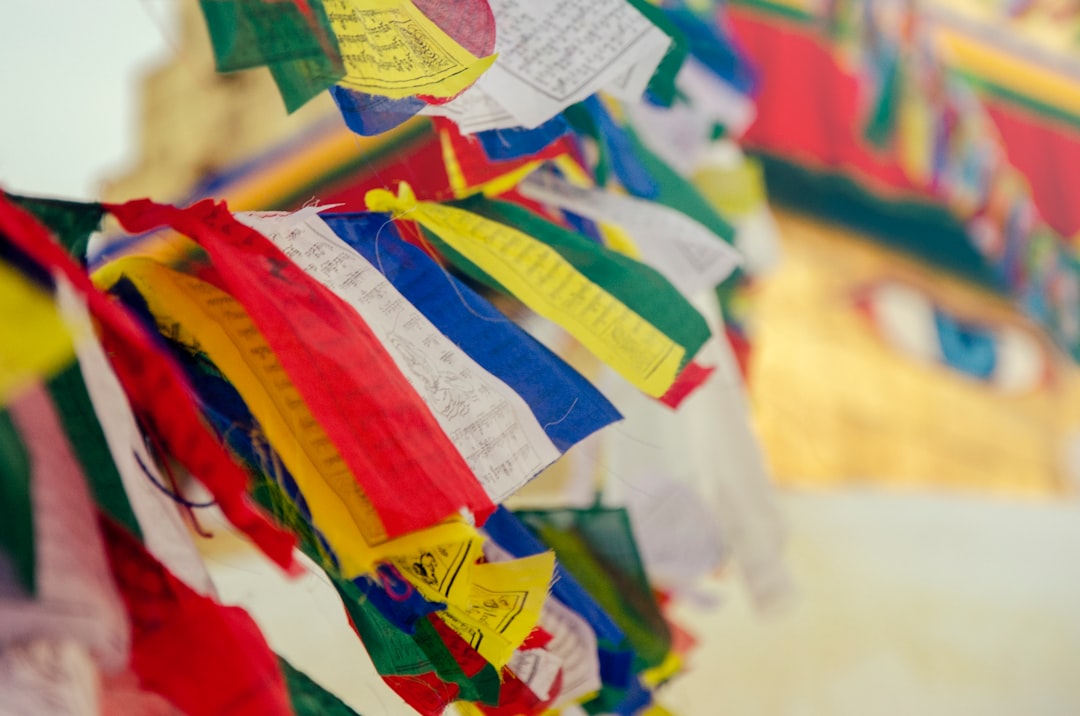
(621, 151)
(567, 406)
(396, 599)
(711, 45)
(369, 114)
(517, 142)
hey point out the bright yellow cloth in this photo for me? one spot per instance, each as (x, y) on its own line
(392, 49)
(550, 285)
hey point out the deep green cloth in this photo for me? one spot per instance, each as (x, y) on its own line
(301, 50)
(71, 222)
(638, 286)
(307, 697)
(17, 525)
(80, 423)
(662, 83)
(596, 546)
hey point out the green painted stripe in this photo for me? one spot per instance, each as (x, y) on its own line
(923, 229)
(1038, 107)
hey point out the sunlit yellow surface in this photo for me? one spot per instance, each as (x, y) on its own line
(837, 405)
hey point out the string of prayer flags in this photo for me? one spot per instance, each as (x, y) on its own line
(568, 407)
(440, 567)
(155, 386)
(634, 320)
(391, 48)
(318, 338)
(197, 314)
(437, 560)
(386, 60)
(489, 423)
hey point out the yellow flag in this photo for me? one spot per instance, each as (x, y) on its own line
(496, 605)
(664, 671)
(550, 285)
(200, 315)
(505, 600)
(35, 341)
(392, 49)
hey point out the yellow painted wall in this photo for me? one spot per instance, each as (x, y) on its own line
(835, 404)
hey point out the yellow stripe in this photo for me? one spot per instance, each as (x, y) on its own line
(551, 286)
(1015, 74)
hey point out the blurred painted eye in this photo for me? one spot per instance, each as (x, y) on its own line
(1005, 356)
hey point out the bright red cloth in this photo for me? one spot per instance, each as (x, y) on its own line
(204, 658)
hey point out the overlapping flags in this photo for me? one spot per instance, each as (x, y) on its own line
(381, 340)
(343, 382)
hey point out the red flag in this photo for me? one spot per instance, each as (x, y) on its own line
(204, 658)
(406, 465)
(156, 387)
